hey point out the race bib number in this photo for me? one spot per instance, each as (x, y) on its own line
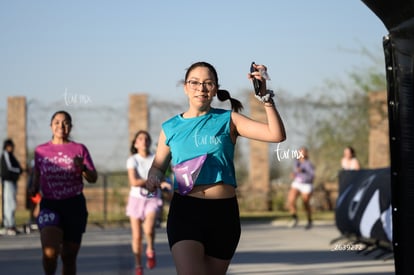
(47, 218)
(187, 172)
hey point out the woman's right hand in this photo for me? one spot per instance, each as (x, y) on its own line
(259, 74)
(153, 182)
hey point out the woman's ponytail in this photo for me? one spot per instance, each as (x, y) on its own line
(224, 95)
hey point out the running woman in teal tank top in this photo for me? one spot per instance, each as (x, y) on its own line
(203, 224)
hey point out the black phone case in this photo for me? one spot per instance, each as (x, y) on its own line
(256, 83)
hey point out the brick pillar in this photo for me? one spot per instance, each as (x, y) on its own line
(258, 197)
(138, 114)
(16, 130)
(379, 149)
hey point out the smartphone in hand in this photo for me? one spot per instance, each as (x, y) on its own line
(256, 83)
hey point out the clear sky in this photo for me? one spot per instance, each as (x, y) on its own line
(99, 52)
(105, 50)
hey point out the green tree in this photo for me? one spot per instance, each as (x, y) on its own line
(338, 116)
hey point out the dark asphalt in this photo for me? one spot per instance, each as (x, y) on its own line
(264, 248)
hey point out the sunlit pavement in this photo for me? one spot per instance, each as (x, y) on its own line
(264, 248)
(277, 249)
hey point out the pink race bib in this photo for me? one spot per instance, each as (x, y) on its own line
(187, 172)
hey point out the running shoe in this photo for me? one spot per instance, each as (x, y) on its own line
(139, 270)
(293, 223)
(308, 226)
(151, 261)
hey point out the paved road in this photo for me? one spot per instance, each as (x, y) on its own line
(264, 249)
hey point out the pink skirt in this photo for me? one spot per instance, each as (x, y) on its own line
(139, 208)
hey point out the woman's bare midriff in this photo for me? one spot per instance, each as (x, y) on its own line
(213, 191)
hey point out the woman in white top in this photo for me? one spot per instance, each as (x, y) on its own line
(141, 208)
(349, 160)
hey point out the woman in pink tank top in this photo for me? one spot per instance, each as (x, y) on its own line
(60, 167)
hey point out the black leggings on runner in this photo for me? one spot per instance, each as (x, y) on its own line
(213, 222)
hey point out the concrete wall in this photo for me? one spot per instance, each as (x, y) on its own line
(17, 131)
(138, 115)
(257, 190)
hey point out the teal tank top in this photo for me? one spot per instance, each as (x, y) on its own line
(207, 134)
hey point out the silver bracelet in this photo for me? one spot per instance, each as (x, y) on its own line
(267, 97)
